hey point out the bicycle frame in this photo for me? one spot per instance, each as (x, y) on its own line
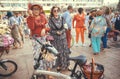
(39, 72)
(73, 72)
(74, 68)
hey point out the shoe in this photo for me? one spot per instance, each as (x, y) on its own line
(108, 47)
(105, 50)
(90, 45)
(76, 44)
(15, 47)
(58, 69)
(83, 45)
(95, 53)
(20, 47)
(69, 51)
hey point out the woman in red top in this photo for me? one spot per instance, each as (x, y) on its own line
(79, 26)
(36, 20)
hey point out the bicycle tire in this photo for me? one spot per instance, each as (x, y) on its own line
(41, 77)
(12, 72)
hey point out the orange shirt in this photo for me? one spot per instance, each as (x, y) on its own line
(80, 20)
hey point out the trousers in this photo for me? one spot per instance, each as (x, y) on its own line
(96, 44)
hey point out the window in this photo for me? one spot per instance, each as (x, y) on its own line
(48, 4)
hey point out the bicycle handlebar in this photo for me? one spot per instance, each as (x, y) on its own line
(38, 72)
(50, 48)
(34, 37)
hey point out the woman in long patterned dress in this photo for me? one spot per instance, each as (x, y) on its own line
(57, 30)
(97, 28)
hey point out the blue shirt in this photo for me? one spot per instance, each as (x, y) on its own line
(68, 19)
(12, 21)
(98, 26)
(18, 19)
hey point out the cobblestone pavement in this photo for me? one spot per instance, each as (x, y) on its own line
(24, 58)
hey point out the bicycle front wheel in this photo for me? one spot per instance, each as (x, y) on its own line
(41, 77)
(7, 68)
(38, 77)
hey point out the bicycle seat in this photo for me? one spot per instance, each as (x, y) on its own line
(81, 60)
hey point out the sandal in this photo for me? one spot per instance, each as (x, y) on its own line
(20, 46)
(15, 47)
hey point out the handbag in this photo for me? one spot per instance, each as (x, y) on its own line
(89, 35)
(93, 70)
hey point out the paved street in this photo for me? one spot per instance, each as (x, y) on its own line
(110, 59)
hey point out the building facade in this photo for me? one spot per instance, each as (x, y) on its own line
(22, 5)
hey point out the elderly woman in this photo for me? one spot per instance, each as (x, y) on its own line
(12, 23)
(97, 28)
(36, 22)
(57, 30)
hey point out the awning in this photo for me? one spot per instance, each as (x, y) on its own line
(12, 9)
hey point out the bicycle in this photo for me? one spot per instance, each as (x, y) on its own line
(43, 54)
(7, 67)
(75, 73)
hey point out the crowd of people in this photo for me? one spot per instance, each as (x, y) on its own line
(99, 23)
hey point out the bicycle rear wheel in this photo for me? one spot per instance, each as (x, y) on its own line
(7, 68)
(41, 77)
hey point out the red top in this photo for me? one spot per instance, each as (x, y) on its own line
(80, 20)
(36, 24)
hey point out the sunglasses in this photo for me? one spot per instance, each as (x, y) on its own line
(36, 9)
(55, 10)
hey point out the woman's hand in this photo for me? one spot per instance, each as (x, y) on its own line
(59, 33)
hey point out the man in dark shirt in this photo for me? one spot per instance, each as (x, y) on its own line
(92, 15)
(117, 26)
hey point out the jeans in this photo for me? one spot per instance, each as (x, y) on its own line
(104, 38)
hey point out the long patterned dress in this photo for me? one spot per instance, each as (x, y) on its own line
(59, 42)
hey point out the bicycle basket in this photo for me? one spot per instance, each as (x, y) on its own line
(93, 70)
(47, 55)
